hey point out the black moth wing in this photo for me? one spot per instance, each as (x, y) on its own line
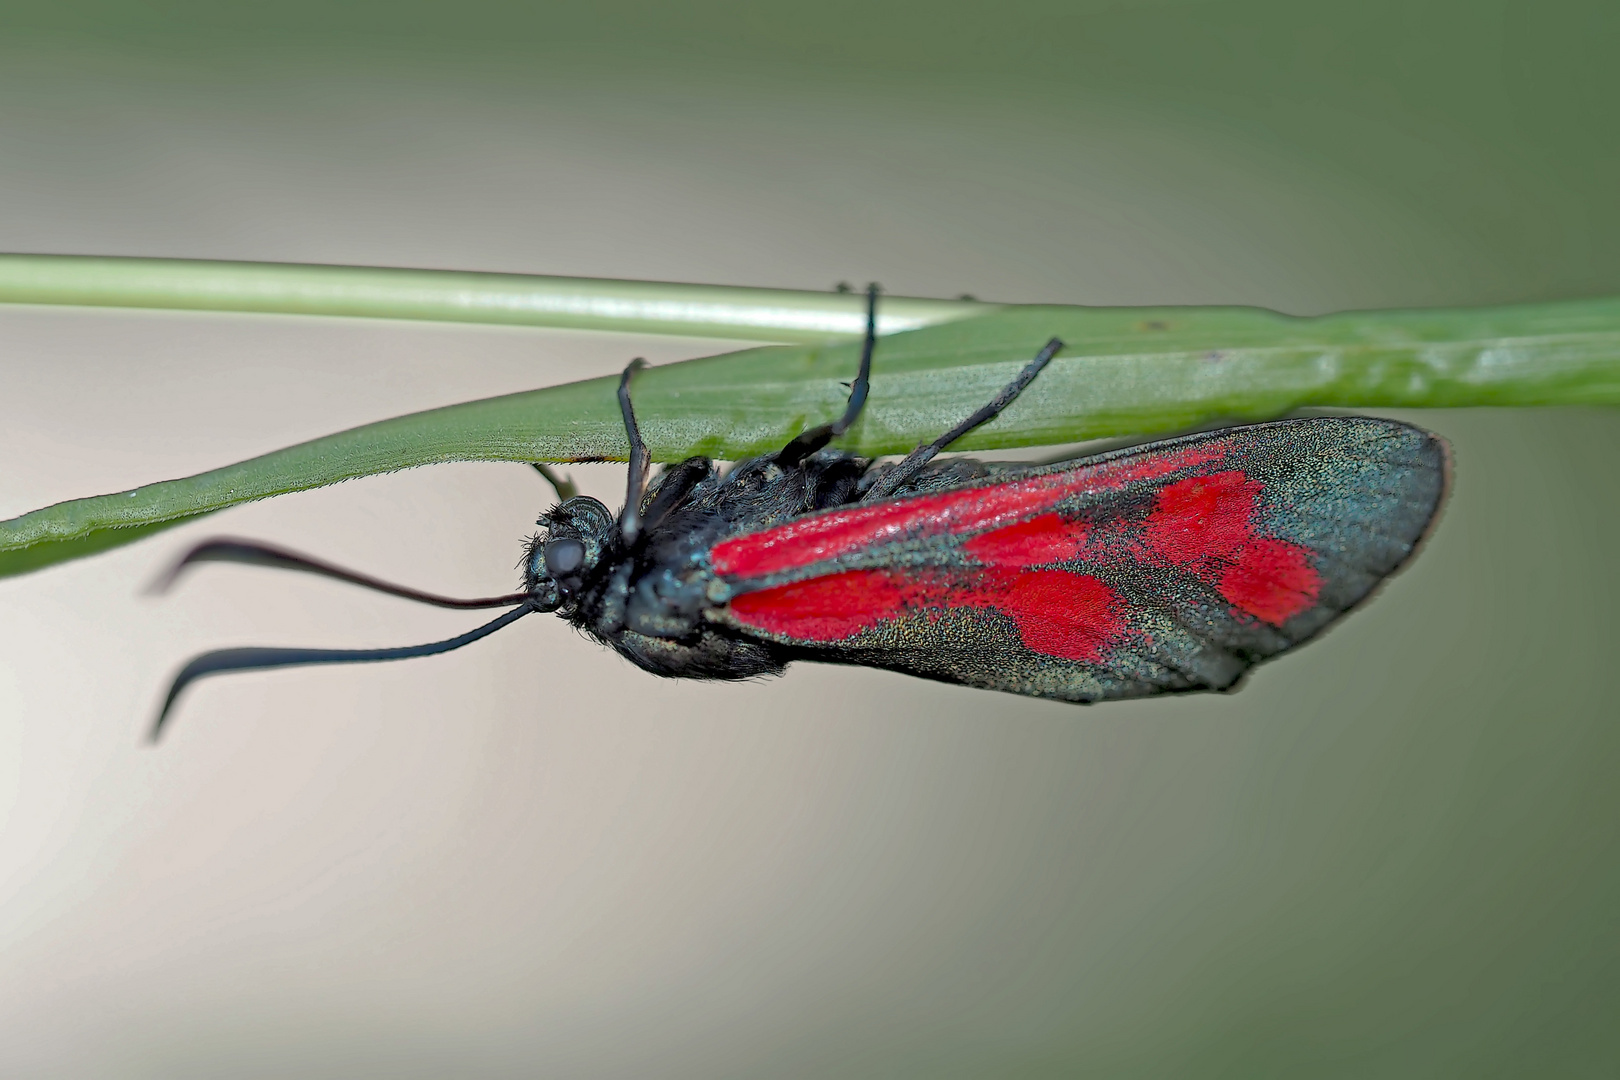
(1173, 566)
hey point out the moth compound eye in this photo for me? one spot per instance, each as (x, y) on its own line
(564, 557)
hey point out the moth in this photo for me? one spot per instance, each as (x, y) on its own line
(1169, 567)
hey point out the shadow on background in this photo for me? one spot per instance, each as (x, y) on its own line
(1391, 854)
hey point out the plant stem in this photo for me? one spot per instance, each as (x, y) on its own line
(648, 307)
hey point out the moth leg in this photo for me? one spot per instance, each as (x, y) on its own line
(914, 461)
(640, 459)
(564, 486)
(817, 437)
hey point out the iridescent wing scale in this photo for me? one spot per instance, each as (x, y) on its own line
(1168, 567)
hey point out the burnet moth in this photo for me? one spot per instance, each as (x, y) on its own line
(1169, 567)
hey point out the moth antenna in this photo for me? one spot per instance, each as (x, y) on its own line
(810, 441)
(564, 486)
(254, 659)
(252, 553)
(640, 459)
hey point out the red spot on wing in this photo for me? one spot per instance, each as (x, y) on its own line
(1272, 580)
(1057, 613)
(1205, 524)
(1062, 614)
(818, 537)
(1202, 518)
(1044, 539)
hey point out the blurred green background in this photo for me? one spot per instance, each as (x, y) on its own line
(1392, 854)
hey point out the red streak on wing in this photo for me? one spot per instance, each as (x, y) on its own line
(1058, 613)
(823, 536)
(1206, 525)
(831, 608)
(1271, 580)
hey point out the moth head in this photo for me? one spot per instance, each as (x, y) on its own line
(566, 553)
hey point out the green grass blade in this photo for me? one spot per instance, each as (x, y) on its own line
(1129, 371)
(648, 307)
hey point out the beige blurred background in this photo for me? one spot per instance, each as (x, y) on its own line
(1391, 854)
